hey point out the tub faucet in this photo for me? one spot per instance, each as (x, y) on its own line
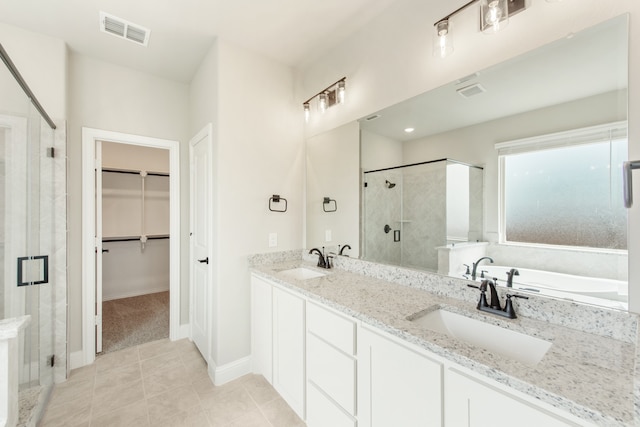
(343, 248)
(510, 274)
(475, 266)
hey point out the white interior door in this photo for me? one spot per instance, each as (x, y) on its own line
(201, 239)
(98, 244)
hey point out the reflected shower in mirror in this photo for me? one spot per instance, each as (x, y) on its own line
(410, 211)
(521, 104)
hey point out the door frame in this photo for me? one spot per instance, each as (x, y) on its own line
(89, 137)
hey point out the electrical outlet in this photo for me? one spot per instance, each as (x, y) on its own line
(273, 240)
(327, 235)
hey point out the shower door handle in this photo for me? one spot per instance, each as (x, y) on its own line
(204, 261)
(627, 179)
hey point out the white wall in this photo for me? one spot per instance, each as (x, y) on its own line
(258, 152)
(34, 53)
(390, 60)
(134, 157)
(114, 98)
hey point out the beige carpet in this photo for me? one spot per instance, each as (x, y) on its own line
(128, 322)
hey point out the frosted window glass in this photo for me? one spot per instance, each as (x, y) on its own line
(570, 196)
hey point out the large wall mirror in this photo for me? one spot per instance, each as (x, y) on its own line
(542, 137)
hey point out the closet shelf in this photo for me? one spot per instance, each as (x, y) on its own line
(134, 238)
(133, 172)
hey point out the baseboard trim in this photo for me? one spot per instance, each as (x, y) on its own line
(138, 293)
(76, 359)
(223, 374)
(184, 331)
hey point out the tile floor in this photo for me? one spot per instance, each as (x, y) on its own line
(163, 383)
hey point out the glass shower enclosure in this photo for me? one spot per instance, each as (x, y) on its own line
(410, 211)
(32, 236)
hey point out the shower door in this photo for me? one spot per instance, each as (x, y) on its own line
(27, 237)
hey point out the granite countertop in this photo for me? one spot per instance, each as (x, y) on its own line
(589, 375)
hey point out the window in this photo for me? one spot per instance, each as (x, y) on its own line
(565, 189)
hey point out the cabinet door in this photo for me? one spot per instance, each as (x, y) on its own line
(396, 385)
(469, 402)
(288, 349)
(261, 330)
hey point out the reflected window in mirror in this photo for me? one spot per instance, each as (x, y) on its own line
(565, 189)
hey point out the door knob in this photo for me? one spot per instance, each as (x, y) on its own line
(204, 261)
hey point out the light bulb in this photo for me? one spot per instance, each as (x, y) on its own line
(442, 40)
(341, 91)
(495, 15)
(307, 111)
(323, 102)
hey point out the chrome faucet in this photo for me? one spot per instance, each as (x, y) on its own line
(510, 274)
(475, 266)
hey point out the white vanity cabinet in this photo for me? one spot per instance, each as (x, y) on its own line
(278, 340)
(331, 368)
(289, 348)
(261, 328)
(336, 371)
(472, 402)
(397, 385)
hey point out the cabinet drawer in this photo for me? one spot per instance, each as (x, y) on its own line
(332, 328)
(322, 412)
(332, 371)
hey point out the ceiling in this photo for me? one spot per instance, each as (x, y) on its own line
(588, 63)
(289, 31)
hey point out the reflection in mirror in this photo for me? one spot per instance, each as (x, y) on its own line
(410, 211)
(571, 86)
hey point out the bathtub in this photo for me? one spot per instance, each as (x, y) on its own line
(579, 288)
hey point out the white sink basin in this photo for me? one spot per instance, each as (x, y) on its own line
(511, 344)
(302, 273)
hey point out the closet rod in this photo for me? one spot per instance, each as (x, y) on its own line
(133, 238)
(134, 172)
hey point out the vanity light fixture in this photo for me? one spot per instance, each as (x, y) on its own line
(442, 40)
(328, 97)
(323, 101)
(494, 16)
(307, 111)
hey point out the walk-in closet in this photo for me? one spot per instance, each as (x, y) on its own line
(135, 245)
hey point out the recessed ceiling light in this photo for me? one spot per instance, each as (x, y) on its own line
(409, 130)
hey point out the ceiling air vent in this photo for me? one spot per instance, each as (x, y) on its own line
(124, 29)
(471, 90)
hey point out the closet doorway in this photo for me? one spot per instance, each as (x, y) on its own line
(135, 245)
(131, 259)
